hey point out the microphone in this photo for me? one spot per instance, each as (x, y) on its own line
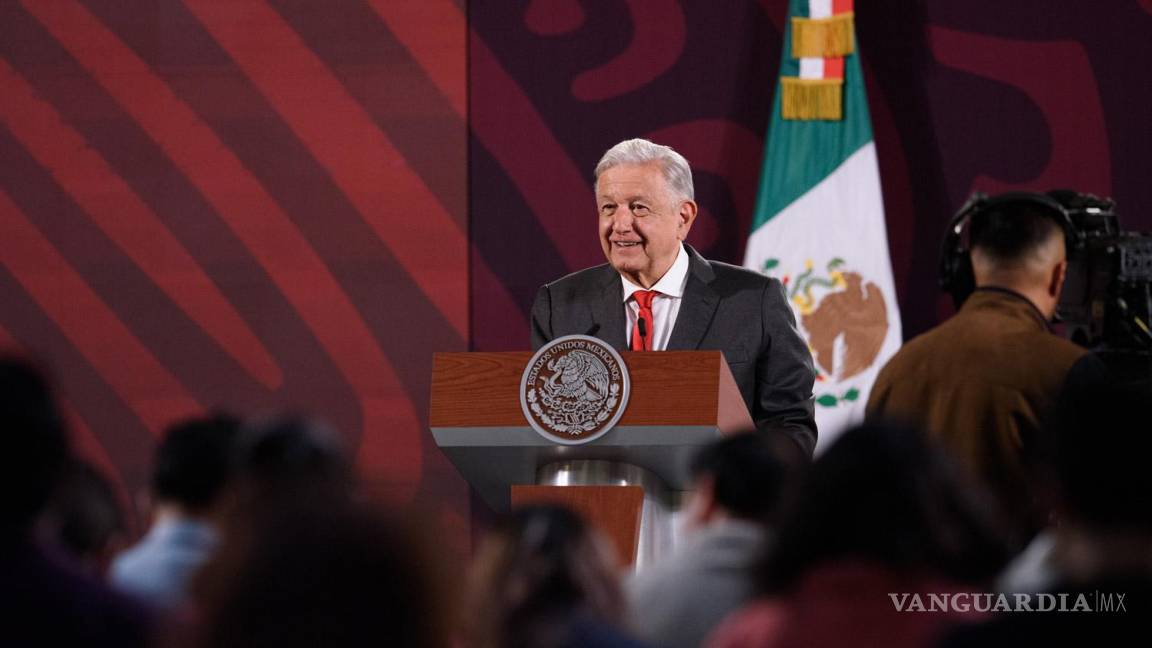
(592, 329)
(642, 324)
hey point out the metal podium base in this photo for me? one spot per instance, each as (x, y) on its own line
(655, 537)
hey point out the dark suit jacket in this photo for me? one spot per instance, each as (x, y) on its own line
(726, 308)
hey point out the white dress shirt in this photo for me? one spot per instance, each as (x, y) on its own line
(665, 306)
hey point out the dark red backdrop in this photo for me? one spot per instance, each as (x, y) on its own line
(259, 204)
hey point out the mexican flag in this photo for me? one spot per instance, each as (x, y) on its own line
(819, 221)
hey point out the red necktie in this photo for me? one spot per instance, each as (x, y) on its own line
(644, 301)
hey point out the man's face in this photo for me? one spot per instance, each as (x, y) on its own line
(642, 222)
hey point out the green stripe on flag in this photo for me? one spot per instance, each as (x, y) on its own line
(802, 153)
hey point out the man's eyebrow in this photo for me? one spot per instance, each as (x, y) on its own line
(639, 197)
(627, 199)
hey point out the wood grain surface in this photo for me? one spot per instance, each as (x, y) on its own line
(668, 388)
(614, 510)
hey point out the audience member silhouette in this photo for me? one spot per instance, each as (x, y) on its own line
(881, 513)
(45, 600)
(286, 462)
(736, 484)
(193, 464)
(1101, 548)
(542, 578)
(84, 518)
(335, 574)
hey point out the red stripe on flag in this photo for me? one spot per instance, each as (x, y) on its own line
(363, 162)
(149, 389)
(834, 68)
(113, 207)
(841, 6)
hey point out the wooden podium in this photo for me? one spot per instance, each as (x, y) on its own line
(679, 400)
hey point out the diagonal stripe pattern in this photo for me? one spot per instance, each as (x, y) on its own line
(332, 352)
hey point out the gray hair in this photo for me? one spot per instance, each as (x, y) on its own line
(677, 173)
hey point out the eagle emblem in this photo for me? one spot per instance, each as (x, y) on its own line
(574, 389)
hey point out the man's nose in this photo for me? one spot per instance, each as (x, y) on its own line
(622, 220)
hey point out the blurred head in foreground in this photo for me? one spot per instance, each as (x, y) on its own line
(884, 495)
(341, 574)
(35, 455)
(539, 570)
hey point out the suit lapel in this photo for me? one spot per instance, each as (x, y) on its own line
(697, 306)
(608, 311)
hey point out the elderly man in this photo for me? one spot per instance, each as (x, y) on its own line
(657, 293)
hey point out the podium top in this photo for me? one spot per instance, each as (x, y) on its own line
(679, 401)
(669, 388)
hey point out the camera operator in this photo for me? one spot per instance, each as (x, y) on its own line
(981, 381)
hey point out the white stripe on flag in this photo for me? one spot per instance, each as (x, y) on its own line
(819, 8)
(811, 68)
(842, 216)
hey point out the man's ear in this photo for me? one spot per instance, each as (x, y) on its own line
(687, 216)
(1056, 278)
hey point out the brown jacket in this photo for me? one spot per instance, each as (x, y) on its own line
(980, 383)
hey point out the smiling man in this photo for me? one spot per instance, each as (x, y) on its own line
(656, 293)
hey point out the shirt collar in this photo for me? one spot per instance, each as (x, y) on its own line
(673, 282)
